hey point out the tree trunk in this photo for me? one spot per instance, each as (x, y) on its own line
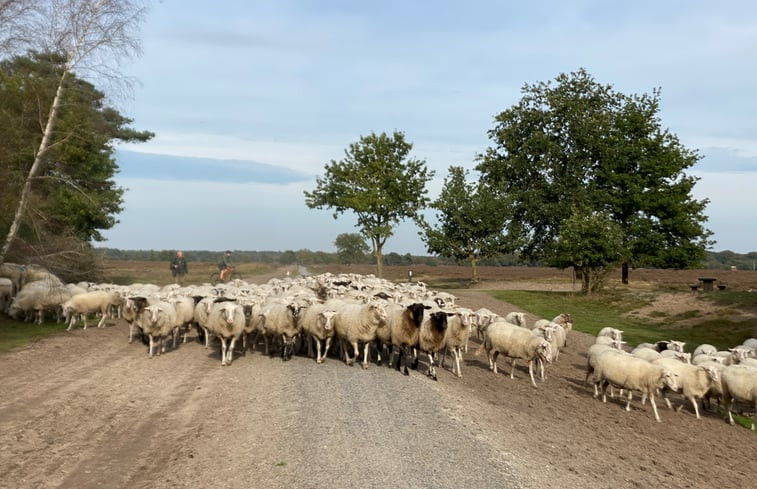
(624, 273)
(474, 275)
(35, 170)
(379, 264)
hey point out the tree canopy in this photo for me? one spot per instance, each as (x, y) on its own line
(577, 144)
(351, 248)
(74, 194)
(471, 221)
(379, 182)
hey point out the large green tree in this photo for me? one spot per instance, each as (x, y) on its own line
(73, 194)
(86, 36)
(577, 144)
(351, 248)
(471, 221)
(379, 182)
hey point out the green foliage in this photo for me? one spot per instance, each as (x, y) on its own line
(581, 145)
(379, 182)
(288, 258)
(351, 248)
(591, 244)
(592, 313)
(75, 194)
(471, 221)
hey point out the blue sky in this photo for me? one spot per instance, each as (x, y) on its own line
(250, 99)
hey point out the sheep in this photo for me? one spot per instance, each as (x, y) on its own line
(739, 384)
(317, 323)
(458, 331)
(431, 335)
(558, 336)
(35, 298)
(613, 333)
(606, 340)
(133, 307)
(631, 373)
(94, 301)
(157, 320)
(226, 321)
(645, 353)
(404, 324)
(516, 318)
(202, 311)
(676, 355)
(33, 273)
(693, 382)
(185, 311)
(563, 319)
(279, 320)
(6, 293)
(661, 346)
(354, 323)
(516, 343)
(593, 354)
(704, 349)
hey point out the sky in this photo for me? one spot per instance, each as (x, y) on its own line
(249, 100)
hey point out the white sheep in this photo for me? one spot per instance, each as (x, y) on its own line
(278, 320)
(693, 382)
(704, 349)
(563, 319)
(676, 355)
(226, 321)
(355, 323)
(634, 374)
(516, 318)
(595, 351)
(456, 336)
(37, 297)
(645, 353)
(613, 333)
(157, 321)
(94, 301)
(6, 293)
(516, 343)
(317, 324)
(185, 312)
(740, 384)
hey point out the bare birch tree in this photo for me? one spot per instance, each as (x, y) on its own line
(94, 37)
(16, 19)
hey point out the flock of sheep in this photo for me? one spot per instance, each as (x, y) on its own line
(362, 316)
(730, 376)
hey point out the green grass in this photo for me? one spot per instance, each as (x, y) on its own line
(14, 334)
(591, 314)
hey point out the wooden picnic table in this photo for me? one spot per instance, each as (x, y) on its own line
(707, 283)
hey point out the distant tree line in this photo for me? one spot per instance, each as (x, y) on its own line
(714, 259)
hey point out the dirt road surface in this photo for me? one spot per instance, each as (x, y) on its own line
(86, 409)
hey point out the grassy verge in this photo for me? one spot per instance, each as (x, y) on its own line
(14, 334)
(591, 314)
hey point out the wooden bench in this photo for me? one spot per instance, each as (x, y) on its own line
(722, 286)
(694, 287)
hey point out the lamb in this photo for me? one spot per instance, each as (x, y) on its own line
(740, 384)
(226, 321)
(404, 323)
(634, 374)
(516, 343)
(516, 318)
(317, 324)
(693, 382)
(354, 323)
(431, 335)
(157, 321)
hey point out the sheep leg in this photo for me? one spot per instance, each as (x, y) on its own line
(457, 354)
(223, 351)
(152, 344)
(230, 351)
(630, 398)
(431, 368)
(530, 371)
(493, 361)
(512, 370)
(695, 404)
(654, 406)
(101, 323)
(366, 351)
(318, 358)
